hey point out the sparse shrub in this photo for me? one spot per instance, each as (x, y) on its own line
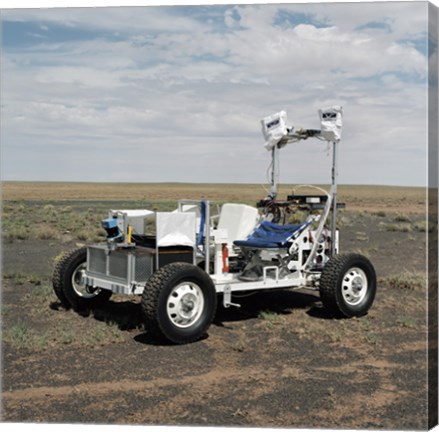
(98, 334)
(271, 318)
(17, 335)
(90, 235)
(66, 209)
(366, 324)
(407, 322)
(35, 279)
(83, 235)
(402, 218)
(16, 233)
(49, 213)
(5, 309)
(362, 236)
(18, 277)
(242, 344)
(113, 333)
(397, 227)
(94, 338)
(380, 213)
(336, 337)
(40, 342)
(101, 233)
(372, 338)
(423, 226)
(344, 222)
(42, 293)
(47, 233)
(67, 336)
(22, 336)
(410, 281)
(95, 235)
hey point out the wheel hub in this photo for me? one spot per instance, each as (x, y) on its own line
(188, 303)
(79, 286)
(185, 304)
(354, 286)
(357, 284)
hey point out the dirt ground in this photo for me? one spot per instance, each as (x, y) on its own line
(278, 361)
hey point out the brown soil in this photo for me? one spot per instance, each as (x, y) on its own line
(292, 366)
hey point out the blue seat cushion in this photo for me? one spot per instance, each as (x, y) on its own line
(269, 235)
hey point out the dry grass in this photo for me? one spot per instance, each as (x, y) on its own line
(37, 302)
(397, 227)
(410, 281)
(373, 199)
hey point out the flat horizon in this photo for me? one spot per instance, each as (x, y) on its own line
(204, 183)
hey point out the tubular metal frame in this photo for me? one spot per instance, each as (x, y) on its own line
(294, 137)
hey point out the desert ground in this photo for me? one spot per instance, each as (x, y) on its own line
(278, 361)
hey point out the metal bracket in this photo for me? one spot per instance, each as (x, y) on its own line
(270, 268)
(228, 297)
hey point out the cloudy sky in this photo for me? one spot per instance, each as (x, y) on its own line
(164, 94)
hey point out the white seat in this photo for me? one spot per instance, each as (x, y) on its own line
(191, 208)
(239, 220)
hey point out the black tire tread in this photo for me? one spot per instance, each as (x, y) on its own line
(58, 273)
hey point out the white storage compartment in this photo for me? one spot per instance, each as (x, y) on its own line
(134, 218)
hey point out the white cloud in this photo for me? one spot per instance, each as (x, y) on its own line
(182, 96)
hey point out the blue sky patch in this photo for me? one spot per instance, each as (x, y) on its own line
(419, 43)
(17, 34)
(286, 19)
(376, 25)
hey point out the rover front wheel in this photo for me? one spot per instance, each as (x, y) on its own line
(348, 285)
(179, 302)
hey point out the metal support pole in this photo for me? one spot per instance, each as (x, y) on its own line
(274, 171)
(207, 239)
(334, 196)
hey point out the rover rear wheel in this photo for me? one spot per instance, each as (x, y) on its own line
(69, 287)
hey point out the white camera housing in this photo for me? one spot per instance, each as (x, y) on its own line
(274, 128)
(331, 122)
